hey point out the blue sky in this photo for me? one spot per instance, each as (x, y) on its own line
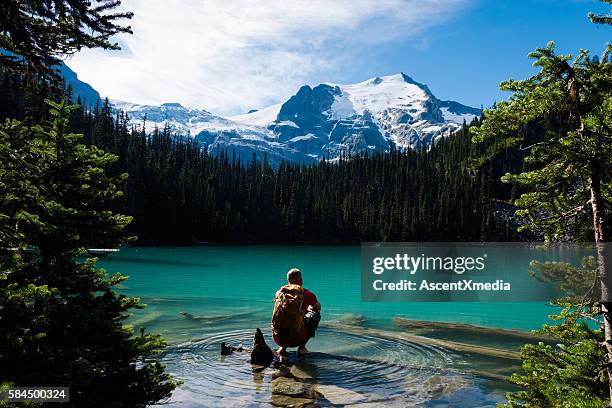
(467, 57)
(229, 56)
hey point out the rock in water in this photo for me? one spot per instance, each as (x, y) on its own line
(438, 386)
(301, 372)
(288, 386)
(340, 396)
(351, 319)
(261, 354)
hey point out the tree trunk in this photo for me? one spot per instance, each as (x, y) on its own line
(597, 207)
(603, 261)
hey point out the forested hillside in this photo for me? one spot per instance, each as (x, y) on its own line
(179, 194)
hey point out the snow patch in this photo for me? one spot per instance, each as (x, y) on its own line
(342, 108)
(456, 118)
(262, 117)
(287, 123)
(308, 136)
(378, 94)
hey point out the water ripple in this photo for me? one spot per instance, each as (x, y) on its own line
(374, 369)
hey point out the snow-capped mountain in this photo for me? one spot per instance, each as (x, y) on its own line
(213, 131)
(321, 122)
(178, 117)
(393, 110)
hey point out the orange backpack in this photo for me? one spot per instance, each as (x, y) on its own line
(287, 313)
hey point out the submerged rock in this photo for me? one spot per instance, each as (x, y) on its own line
(291, 391)
(190, 316)
(289, 386)
(340, 396)
(301, 372)
(287, 392)
(347, 319)
(438, 385)
(288, 401)
(280, 371)
(212, 318)
(230, 402)
(351, 319)
(387, 403)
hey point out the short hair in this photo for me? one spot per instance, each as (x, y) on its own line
(293, 274)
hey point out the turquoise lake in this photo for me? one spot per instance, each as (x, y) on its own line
(199, 296)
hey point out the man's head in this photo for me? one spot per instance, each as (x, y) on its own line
(294, 276)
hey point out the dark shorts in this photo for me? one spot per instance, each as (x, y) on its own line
(311, 322)
(284, 337)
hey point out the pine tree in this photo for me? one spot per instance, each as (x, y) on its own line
(570, 104)
(61, 322)
(569, 374)
(601, 18)
(37, 32)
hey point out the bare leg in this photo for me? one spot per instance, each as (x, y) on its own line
(311, 322)
(302, 351)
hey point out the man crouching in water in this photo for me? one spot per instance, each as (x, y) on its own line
(296, 315)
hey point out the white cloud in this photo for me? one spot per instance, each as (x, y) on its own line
(228, 56)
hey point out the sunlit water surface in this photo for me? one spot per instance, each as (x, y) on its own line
(359, 357)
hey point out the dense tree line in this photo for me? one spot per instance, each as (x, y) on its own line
(182, 193)
(62, 322)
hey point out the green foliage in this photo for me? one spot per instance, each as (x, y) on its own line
(63, 205)
(574, 284)
(562, 118)
(572, 372)
(61, 322)
(40, 31)
(563, 114)
(569, 374)
(601, 18)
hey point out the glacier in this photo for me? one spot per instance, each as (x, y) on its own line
(323, 122)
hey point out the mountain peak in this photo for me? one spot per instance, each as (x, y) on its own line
(172, 105)
(396, 79)
(322, 121)
(377, 94)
